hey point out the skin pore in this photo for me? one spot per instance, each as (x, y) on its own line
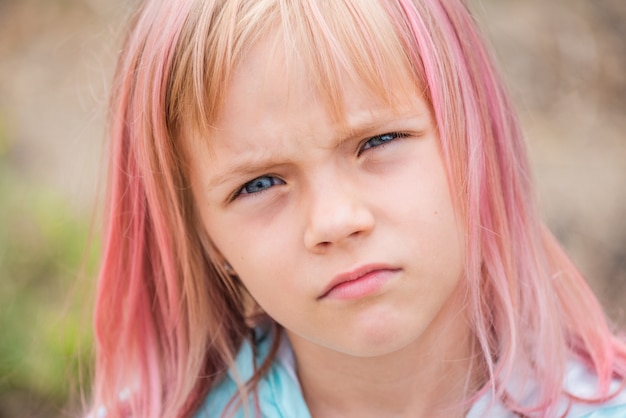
(297, 201)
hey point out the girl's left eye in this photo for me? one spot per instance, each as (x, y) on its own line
(259, 184)
(378, 140)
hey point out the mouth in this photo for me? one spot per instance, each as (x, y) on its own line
(359, 282)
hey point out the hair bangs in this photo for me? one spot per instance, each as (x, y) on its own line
(213, 40)
(329, 40)
(353, 39)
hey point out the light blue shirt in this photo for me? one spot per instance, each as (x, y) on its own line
(278, 390)
(280, 395)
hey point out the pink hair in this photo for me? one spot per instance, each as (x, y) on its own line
(531, 307)
(162, 334)
(169, 320)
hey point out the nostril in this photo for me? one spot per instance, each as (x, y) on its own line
(355, 233)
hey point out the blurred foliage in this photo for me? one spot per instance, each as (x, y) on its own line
(45, 289)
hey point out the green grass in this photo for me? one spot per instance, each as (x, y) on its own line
(46, 285)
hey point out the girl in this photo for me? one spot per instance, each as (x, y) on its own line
(323, 208)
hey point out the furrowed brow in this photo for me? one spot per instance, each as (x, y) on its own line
(370, 124)
(243, 169)
(356, 128)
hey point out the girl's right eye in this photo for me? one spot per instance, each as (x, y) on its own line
(259, 184)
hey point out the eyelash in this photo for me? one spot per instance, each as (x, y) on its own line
(385, 139)
(275, 181)
(391, 135)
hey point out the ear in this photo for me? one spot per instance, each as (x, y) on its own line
(229, 269)
(219, 261)
(252, 311)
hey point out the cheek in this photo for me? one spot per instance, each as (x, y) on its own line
(443, 240)
(426, 214)
(419, 201)
(263, 256)
(263, 261)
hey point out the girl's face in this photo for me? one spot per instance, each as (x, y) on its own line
(343, 232)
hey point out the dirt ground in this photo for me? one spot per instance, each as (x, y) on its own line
(564, 61)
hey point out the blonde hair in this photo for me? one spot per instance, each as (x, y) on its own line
(169, 319)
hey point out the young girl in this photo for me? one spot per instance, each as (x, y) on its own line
(323, 208)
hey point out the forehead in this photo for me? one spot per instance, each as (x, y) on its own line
(272, 79)
(266, 78)
(365, 42)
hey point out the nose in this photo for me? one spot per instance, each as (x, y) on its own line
(337, 216)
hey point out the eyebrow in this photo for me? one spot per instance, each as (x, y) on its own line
(348, 131)
(243, 169)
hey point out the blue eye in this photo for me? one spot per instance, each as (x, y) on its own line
(260, 184)
(379, 140)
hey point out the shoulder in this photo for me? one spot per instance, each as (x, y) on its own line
(278, 391)
(580, 382)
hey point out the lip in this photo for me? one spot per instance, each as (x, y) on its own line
(358, 282)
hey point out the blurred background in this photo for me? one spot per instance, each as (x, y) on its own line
(564, 62)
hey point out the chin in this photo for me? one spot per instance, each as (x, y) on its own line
(380, 335)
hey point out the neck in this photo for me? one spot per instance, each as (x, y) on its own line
(432, 377)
